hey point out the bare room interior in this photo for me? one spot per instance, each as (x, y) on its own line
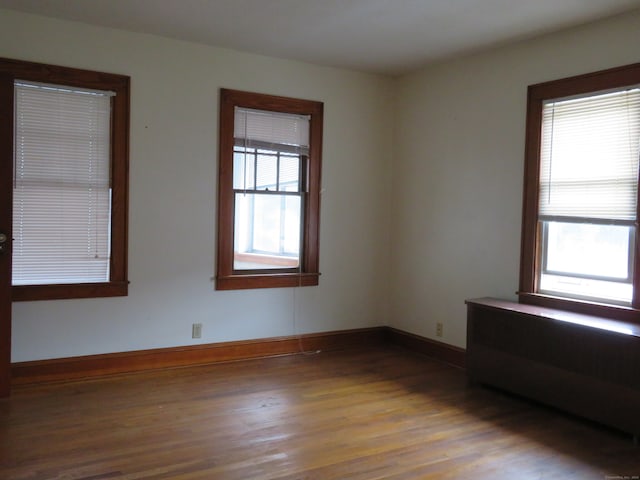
(419, 291)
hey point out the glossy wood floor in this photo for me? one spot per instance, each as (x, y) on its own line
(362, 414)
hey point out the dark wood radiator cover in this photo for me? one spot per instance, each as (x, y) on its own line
(585, 365)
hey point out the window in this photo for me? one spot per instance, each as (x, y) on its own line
(70, 170)
(268, 191)
(581, 194)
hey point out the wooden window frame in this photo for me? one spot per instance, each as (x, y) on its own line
(531, 240)
(308, 273)
(120, 84)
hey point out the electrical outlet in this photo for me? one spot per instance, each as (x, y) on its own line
(439, 329)
(196, 330)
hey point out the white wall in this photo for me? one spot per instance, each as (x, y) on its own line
(173, 178)
(454, 212)
(459, 155)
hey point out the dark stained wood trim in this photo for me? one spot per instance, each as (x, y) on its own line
(611, 78)
(311, 260)
(21, 293)
(237, 282)
(6, 225)
(226, 278)
(530, 256)
(450, 354)
(39, 72)
(626, 314)
(120, 131)
(224, 247)
(71, 368)
(120, 84)
(529, 249)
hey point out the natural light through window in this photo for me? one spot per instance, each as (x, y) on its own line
(588, 195)
(269, 171)
(269, 160)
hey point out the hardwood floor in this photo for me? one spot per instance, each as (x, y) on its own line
(358, 414)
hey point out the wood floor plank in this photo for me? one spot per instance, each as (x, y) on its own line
(365, 414)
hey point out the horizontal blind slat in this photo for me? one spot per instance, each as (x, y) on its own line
(62, 194)
(271, 127)
(590, 152)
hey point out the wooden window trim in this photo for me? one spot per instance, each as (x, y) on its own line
(531, 236)
(120, 84)
(308, 275)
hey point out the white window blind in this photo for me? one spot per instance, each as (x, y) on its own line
(260, 128)
(62, 195)
(590, 151)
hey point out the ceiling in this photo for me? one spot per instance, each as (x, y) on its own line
(380, 36)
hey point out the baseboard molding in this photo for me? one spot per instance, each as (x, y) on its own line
(74, 368)
(443, 352)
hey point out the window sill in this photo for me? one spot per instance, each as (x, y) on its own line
(614, 312)
(272, 280)
(265, 259)
(25, 293)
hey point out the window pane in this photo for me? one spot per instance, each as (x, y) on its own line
(289, 173)
(267, 223)
(291, 240)
(267, 231)
(587, 249)
(243, 168)
(267, 172)
(264, 235)
(588, 260)
(586, 288)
